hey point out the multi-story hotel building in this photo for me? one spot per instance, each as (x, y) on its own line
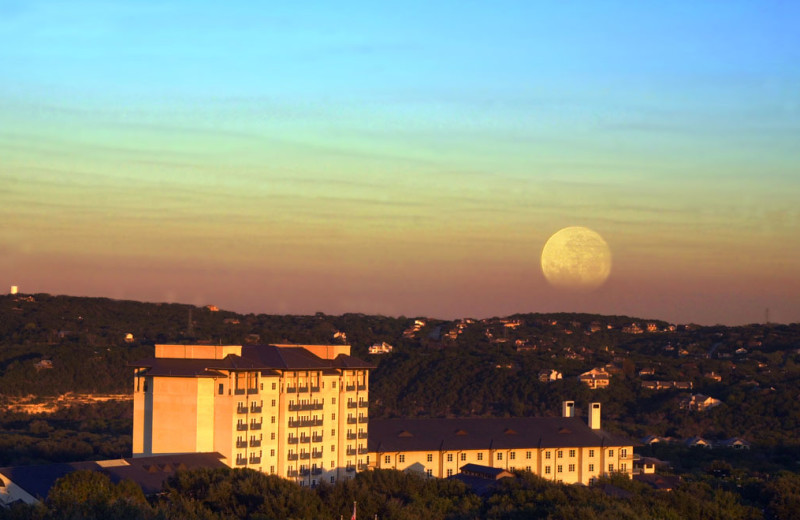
(562, 449)
(298, 411)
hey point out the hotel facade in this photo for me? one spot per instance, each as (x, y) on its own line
(297, 411)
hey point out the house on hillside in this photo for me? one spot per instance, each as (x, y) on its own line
(380, 348)
(699, 403)
(595, 378)
(546, 376)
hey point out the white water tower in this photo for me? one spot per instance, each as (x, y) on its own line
(14, 289)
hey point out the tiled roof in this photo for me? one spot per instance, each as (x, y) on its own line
(395, 435)
(148, 472)
(254, 357)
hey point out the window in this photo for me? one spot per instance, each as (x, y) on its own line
(333, 448)
(333, 480)
(623, 452)
(527, 468)
(528, 455)
(272, 436)
(430, 457)
(571, 467)
(262, 386)
(273, 386)
(449, 472)
(449, 457)
(512, 455)
(560, 454)
(333, 400)
(333, 385)
(401, 458)
(272, 420)
(547, 455)
(333, 417)
(333, 433)
(571, 453)
(623, 467)
(271, 453)
(387, 459)
(463, 456)
(591, 467)
(560, 468)
(429, 472)
(221, 388)
(499, 456)
(273, 402)
(512, 468)
(610, 453)
(547, 470)
(591, 453)
(610, 468)
(480, 456)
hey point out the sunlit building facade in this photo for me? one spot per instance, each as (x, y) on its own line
(297, 411)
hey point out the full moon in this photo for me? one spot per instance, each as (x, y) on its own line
(576, 258)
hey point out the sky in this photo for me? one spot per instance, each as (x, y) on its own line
(406, 158)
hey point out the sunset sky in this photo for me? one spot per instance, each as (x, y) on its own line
(293, 157)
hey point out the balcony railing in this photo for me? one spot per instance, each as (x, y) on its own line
(255, 409)
(363, 467)
(352, 420)
(293, 440)
(241, 427)
(239, 391)
(254, 460)
(241, 444)
(316, 438)
(302, 407)
(315, 388)
(302, 388)
(363, 451)
(291, 473)
(241, 409)
(350, 468)
(255, 443)
(252, 391)
(316, 471)
(362, 387)
(363, 404)
(351, 451)
(241, 461)
(304, 472)
(291, 456)
(352, 404)
(350, 388)
(291, 389)
(363, 435)
(304, 423)
(316, 454)
(305, 439)
(305, 456)
(363, 419)
(255, 426)
(351, 436)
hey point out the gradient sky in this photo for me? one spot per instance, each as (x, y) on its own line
(404, 160)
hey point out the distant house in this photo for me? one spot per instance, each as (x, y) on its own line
(595, 378)
(633, 328)
(129, 338)
(713, 376)
(546, 376)
(212, 308)
(698, 442)
(647, 465)
(341, 336)
(648, 371)
(736, 443)
(481, 479)
(380, 348)
(44, 364)
(699, 403)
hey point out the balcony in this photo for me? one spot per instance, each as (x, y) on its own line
(304, 472)
(362, 388)
(316, 438)
(352, 420)
(239, 391)
(316, 454)
(291, 389)
(363, 435)
(255, 426)
(291, 456)
(251, 391)
(255, 409)
(305, 439)
(351, 436)
(302, 388)
(363, 404)
(293, 440)
(316, 471)
(350, 452)
(241, 461)
(363, 467)
(241, 409)
(350, 468)
(350, 388)
(305, 456)
(254, 460)
(303, 407)
(352, 404)
(291, 473)
(241, 427)
(255, 443)
(241, 444)
(315, 388)
(363, 419)
(363, 451)
(303, 423)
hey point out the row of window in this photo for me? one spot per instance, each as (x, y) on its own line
(511, 456)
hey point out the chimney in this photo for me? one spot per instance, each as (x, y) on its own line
(568, 409)
(594, 416)
(14, 289)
